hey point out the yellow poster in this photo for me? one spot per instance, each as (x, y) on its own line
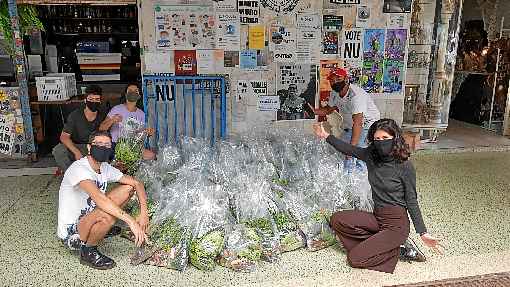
(256, 37)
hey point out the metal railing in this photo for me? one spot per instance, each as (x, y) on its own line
(184, 106)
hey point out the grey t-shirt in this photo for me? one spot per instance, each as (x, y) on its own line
(79, 127)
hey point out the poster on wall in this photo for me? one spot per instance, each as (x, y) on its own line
(7, 133)
(185, 62)
(210, 62)
(325, 68)
(249, 11)
(308, 45)
(354, 70)
(231, 59)
(296, 89)
(256, 37)
(308, 21)
(397, 6)
(185, 27)
(251, 89)
(396, 20)
(332, 26)
(268, 103)
(363, 16)
(228, 35)
(352, 42)
(159, 62)
(395, 51)
(225, 5)
(279, 6)
(373, 60)
(282, 43)
(248, 59)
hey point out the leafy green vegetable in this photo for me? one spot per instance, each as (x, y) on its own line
(204, 250)
(129, 152)
(261, 224)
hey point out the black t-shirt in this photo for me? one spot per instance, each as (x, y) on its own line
(392, 183)
(80, 128)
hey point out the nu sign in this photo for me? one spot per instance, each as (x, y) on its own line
(352, 44)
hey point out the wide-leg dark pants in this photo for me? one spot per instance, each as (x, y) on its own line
(372, 241)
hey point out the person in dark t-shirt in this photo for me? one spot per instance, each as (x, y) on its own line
(81, 123)
(373, 240)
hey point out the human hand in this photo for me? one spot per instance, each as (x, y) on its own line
(117, 119)
(138, 233)
(78, 155)
(319, 131)
(321, 112)
(433, 243)
(143, 220)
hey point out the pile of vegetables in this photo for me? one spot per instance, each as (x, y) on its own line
(129, 147)
(236, 204)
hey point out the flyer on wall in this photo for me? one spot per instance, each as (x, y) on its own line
(228, 35)
(296, 89)
(332, 26)
(282, 43)
(185, 27)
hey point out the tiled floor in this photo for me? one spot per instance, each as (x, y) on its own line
(464, 198)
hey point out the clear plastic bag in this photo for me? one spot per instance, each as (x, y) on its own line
(243, 248)
(129, 147)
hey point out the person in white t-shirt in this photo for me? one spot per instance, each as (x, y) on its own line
(86, 212)
(355, 105)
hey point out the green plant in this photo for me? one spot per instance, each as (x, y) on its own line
(28, 21)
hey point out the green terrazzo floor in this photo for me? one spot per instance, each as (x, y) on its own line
(465, 199)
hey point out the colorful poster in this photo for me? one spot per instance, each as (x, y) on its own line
(396, 42)
(228, 35)
(268, 103)
(279, 6)
(231, 59)
(397, 6)
(296, 89)
(185, 62)
(7, 133)
(282, 43)
(373, 60)
(325, 68)
(256, 37)
(395, 52)
(362, 16)
(225, 5)
(332, 26)
(248, 59)
(249, 11)
(210, 62)
(352, 42)
(185, 27)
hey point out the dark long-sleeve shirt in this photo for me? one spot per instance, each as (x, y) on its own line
(392, 182)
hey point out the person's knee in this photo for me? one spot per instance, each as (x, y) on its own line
(106, 220)
(355, 259)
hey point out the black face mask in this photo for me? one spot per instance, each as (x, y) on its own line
(93, 106)
(338, 86)
(384, 148)
(101, 153)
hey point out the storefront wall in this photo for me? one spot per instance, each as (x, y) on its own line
(244, 107)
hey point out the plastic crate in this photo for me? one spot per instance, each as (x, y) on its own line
(56, 87)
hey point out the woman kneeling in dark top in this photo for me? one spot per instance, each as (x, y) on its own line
(373, 240)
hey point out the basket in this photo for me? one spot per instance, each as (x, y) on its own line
(56, 87)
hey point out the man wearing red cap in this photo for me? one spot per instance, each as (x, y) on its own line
(356, 106)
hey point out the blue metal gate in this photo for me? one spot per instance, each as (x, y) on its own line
(184, 106)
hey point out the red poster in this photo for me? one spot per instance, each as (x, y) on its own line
(185, 62)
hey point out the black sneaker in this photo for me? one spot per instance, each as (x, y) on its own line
(114, 231)
(410, 252)
(91, 257)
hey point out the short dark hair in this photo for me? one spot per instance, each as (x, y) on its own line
(95, 134)
(94, 90)
(400, 148)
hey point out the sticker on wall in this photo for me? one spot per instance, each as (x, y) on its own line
(185, 27)
(279, 6)
(296, 86)
(352, 41)
(7, 134)
(256, 37)
(249, 11)
(397, 6)
(228, 35)
(268, 103)
(395, 20)
(185, 62)
(225, 5)
(363, 16)
(231, 59)
(283, 43)
(373, 60)
(248, 59)
(332, 26)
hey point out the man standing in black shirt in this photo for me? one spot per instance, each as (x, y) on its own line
(81, 123)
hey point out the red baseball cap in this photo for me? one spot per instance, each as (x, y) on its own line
(337, 72)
